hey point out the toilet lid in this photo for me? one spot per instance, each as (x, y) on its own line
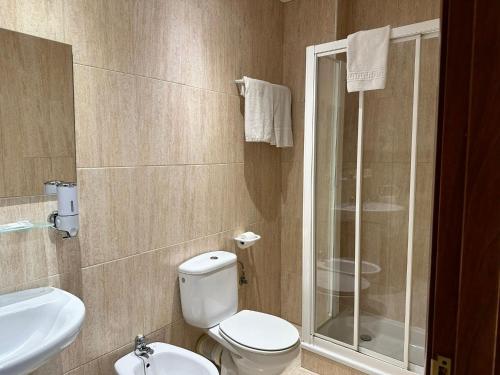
(260, 331)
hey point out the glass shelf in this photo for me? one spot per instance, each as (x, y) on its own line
(24, 226)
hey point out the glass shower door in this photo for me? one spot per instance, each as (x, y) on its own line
(373, 172)
(385, 195)
(335, 192)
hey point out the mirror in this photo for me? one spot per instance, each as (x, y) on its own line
(37, 132)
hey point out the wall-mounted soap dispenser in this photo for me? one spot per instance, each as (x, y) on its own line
(50, 187)
(66, 218)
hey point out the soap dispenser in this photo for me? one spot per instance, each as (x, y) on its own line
(66, 218)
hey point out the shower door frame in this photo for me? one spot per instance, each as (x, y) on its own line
(353, 355)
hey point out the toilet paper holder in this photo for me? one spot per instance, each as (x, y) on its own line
(246, 239)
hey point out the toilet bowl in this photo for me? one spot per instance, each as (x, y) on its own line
(259, 343)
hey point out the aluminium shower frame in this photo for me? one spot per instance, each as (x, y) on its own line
(353, 355)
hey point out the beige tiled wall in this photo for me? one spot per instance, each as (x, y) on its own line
(306, 22)
(162, 168)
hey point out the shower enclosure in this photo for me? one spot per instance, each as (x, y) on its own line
(368, 183)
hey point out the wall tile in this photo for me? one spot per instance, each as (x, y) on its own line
(114, 303)
(299, 32)
(239, 196)
(162, 300)
(107, 197)
(143, 129)
(388, 12)
(291, 184)
(159, 30)
(170, 204)
(291, 297)
(105, 117)
(236, 132)
(101, 33)
(45, 17)
(310, 21)
(103, 365)
(258, 40)
(262, 293)
(291, 245)
(185, 42)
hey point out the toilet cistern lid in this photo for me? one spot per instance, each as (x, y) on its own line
(207, 262)
(260, 331)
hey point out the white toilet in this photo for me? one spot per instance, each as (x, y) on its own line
(259, 343)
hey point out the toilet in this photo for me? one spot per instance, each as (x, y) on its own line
(259, 343)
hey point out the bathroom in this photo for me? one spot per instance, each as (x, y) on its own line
(138, 103)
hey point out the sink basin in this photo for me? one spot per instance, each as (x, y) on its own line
(166, 360)
(36, 324)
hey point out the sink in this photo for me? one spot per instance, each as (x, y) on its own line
(36, 324)
(166, 360)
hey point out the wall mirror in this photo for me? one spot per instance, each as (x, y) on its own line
(37, 131)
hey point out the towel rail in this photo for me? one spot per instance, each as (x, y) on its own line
(240, 85)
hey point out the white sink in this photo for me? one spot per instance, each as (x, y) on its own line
(166, 360)
(36, 324)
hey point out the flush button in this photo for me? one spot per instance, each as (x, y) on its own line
(214, 257)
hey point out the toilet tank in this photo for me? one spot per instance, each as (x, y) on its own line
(209, 288)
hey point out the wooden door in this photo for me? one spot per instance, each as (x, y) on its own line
(465, 276)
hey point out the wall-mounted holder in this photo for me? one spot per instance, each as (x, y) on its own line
(66, 218)
(50, 187)
(246, 239)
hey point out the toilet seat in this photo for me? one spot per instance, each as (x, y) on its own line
(259, 332)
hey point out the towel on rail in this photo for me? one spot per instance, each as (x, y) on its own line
(267, 112)
(367, 59)
(282, 116)
(258, 110)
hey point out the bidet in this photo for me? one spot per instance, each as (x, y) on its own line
(165, 359)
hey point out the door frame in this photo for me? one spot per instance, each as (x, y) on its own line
(464, 285)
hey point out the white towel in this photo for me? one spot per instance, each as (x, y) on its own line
(367, 59)
(282, 116)
(258, 110)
